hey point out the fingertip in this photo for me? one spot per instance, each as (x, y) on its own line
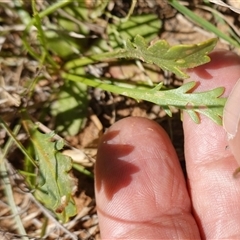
(222, 70)
(139, 184)
(130, 145)
(210, 164)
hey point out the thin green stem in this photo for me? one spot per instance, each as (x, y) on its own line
(7, 185)
(52, 8)
(125, 19)
(83, 170)
(18, 143)
(130, 12)
(89, 60)
(135, 93)
(41, 37)
(202, 22)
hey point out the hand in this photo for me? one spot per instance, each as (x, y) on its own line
(141, 192)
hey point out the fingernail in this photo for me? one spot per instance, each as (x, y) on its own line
(231, 121)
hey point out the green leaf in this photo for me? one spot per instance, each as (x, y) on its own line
(169, 58)
(147, 25)
(208, 103)
(70, 108)
(55, 185)
(160, 53)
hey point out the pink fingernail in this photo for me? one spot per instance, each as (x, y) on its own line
(231, 121)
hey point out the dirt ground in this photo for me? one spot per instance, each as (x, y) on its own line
(104, 109)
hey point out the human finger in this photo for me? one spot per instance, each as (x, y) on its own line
(140, 189)
(215, 193)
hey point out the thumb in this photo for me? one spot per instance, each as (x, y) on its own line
(231, 121)
(214, 192)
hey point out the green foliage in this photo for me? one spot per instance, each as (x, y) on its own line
(70, 108)
(169, 58)
(172, 58)
(64, 38)
(207, 103)
(202, 22)
(147, 25)
(54, 185)
(160, 53)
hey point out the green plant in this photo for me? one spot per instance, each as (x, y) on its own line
(61, 38)
(53, 186)
(168, 58)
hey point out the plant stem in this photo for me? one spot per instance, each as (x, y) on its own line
(202, 22)
(7, 185)
(83, 170)
(18, 143)
(89, 60)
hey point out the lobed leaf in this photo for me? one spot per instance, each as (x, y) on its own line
(209, 103)
(171, 58)
(54, 184)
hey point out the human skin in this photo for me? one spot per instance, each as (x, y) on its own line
(141, 192)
